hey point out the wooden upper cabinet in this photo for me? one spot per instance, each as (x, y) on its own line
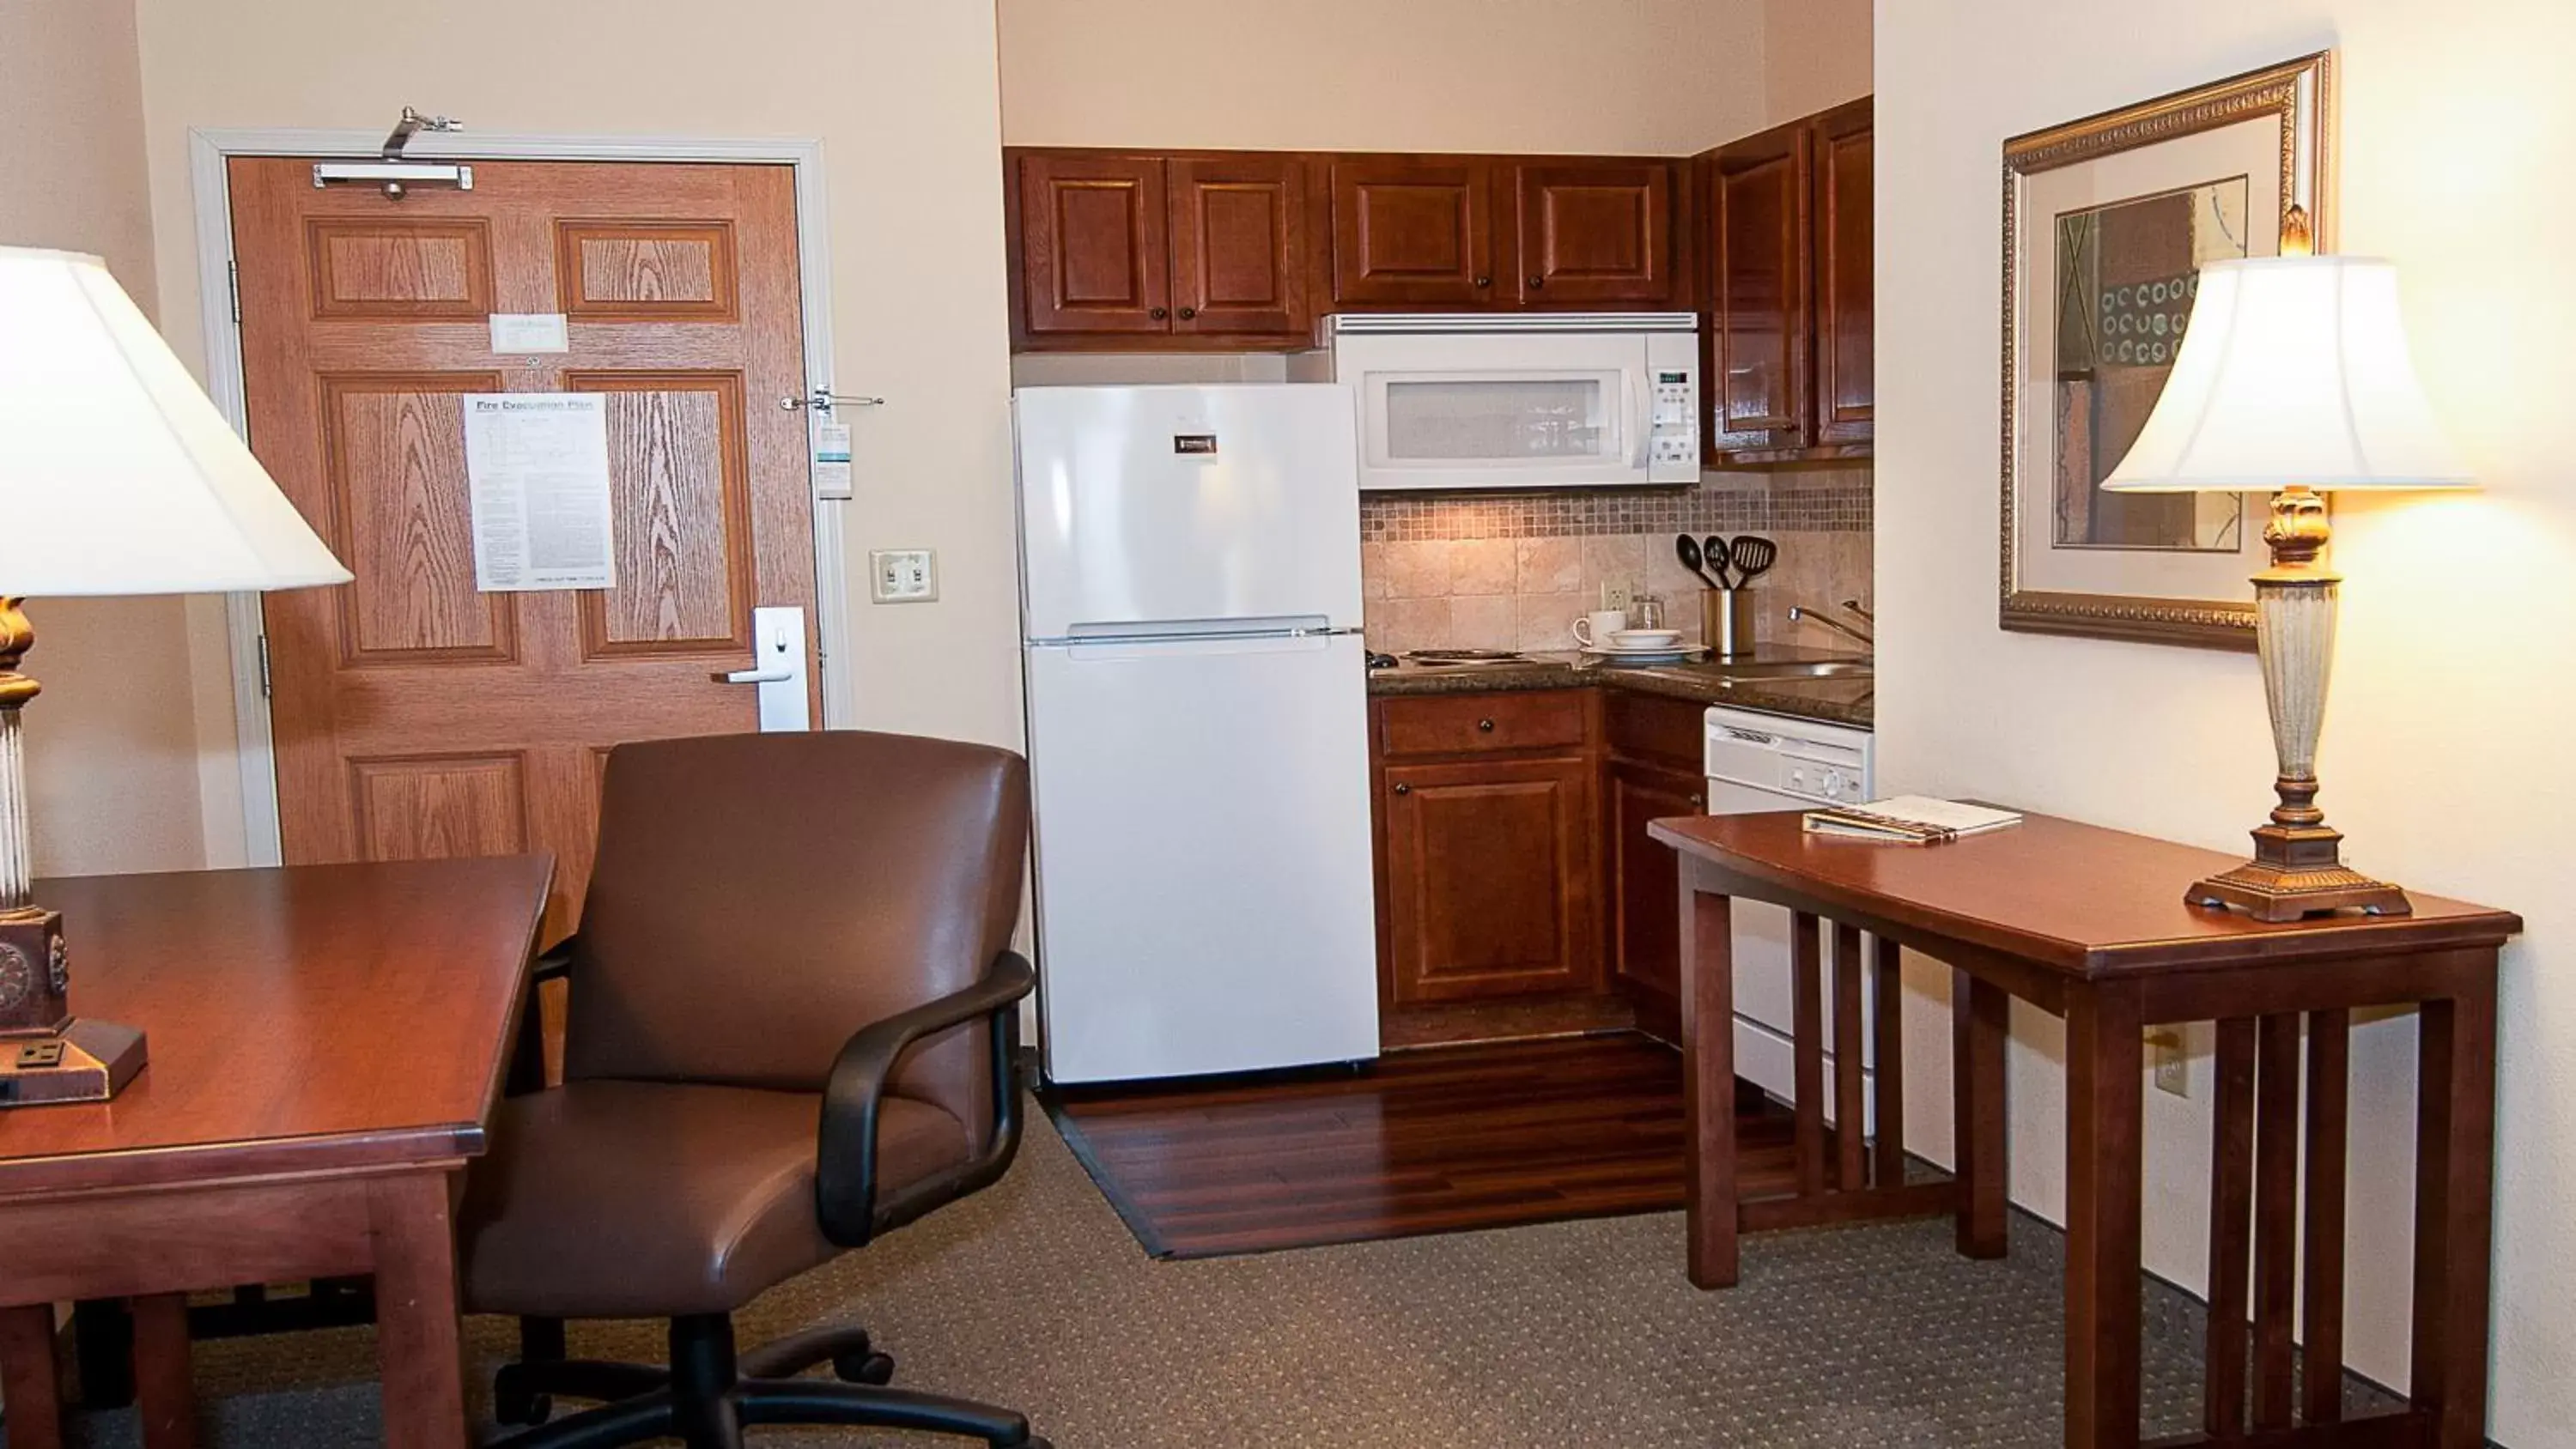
(1593, 233)
(1412, 231)
(1092, 237)
(1790, 309)
(1758, 311)
(1846, 387)
(1239, 263)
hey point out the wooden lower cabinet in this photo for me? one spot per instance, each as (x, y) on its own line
(1489, 867)
(1645, 925)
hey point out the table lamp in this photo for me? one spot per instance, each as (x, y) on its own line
(117, 476)
(2293, 379)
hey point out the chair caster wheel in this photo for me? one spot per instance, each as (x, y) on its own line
(866, 1367)
(1031, 1442)
(517, 1406)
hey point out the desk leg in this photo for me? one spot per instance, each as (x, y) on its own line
(30, 1377)
(2105, 1061)
(1708, 1069)
(1979, 1014)
(163, 1392)
(2454, 1182)
(417, 1347)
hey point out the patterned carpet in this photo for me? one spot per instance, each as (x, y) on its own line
(1563, 1336)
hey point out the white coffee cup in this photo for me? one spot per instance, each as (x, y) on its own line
(1593, 630)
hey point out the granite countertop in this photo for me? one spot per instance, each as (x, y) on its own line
(1844, 699)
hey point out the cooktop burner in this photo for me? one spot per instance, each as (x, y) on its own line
(1453, 658)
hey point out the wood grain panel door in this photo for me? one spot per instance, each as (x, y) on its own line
(1413, 232)
(1238, 246)
(1094, 249)
(1846, 386)
(414, 715)
(1645, 932)
(1758, 278)
(1593, 233)
(1489, 879)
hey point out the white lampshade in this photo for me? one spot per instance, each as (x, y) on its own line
(2293, 371)
(117, 474)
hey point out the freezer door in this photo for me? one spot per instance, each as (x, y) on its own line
(1204, 889)
(1147, 506)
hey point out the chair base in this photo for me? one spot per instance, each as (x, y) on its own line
(707, 1398)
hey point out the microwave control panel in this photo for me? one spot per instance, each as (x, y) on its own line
(1673, 431)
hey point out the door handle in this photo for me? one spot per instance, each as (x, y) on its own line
(777, 669)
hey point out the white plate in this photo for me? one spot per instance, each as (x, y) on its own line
(1674, 655)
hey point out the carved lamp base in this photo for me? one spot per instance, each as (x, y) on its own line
(2298, 868)
(87, 1061)
(2296, 873)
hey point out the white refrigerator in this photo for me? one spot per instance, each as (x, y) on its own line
(1190, 571)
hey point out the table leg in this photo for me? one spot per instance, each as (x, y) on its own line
(417, 1347)
(30, 1377)
(1708, 1068)
(163, 1392)
(2454, 1183)
(2105, 1060)
(1979, 1016)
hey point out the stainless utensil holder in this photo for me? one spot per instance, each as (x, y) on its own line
(1726, 622)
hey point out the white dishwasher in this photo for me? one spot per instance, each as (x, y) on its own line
(1762, 762)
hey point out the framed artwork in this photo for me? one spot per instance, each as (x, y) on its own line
(2106, 223)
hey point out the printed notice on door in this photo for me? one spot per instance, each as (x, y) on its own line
(536, 467)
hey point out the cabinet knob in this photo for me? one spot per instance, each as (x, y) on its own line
(1536, 281)
(1484, 281)
(1486, 725)
(1699, 802)
(1188, 312)
(1404, 789)
(1157, 313)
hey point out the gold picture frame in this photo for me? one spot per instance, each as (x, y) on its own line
(2244, 148)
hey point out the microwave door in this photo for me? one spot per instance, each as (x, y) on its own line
(1500, 428)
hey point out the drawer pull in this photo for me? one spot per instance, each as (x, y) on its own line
(1486, 725)
(1404, 789)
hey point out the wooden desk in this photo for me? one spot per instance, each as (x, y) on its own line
(2090, 924)
(326, 1043)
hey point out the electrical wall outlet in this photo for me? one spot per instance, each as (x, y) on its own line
(1617, 594)
(2165, 1050)
(903, 575)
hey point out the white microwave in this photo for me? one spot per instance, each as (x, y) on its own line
(1527, 400)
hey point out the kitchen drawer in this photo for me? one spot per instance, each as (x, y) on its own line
(1460, 724)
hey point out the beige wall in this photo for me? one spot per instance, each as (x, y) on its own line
(2446, 746)
(1815, 54)
(112, 746)
(902, 97)
(1652, 76)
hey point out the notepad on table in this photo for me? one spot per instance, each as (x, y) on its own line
(1909, 820)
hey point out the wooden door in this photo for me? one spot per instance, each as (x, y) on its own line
(1846, 389)
(1412, 232)
(1094, 253)
(413, 715)
(1239, 259)
(1758, 318)
(1645, 933)
(1489, 879)
(1593, 233)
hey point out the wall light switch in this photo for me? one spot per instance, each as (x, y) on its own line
(903, 575)
(2166, 1051)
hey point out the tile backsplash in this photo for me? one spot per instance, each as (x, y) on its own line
(1514, 572)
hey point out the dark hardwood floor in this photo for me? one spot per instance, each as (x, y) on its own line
(1430, 1141)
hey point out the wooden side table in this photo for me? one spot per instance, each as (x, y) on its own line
(327, 1042)
(2090, 924)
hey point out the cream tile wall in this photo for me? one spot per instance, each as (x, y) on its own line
(1515, 573)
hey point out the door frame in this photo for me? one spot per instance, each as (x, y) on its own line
(211, 148)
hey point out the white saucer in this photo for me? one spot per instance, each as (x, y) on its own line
(1672, 654)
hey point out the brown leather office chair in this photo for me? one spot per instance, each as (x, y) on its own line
(770, 1056)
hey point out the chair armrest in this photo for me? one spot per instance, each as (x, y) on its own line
(845, 1180)
(527, 1072)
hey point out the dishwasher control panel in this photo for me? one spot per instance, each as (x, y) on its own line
(1808, 760)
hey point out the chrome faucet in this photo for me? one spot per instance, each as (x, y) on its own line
(1798, 612)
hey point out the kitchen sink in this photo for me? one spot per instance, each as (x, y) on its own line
(1793, 669)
